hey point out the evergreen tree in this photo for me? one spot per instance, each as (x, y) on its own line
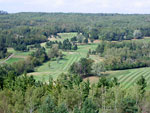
(142, 83)
(85, 41)
(85, 89)
(48, 106)
(61, 109)
(89, 107)
(67, 45)
(75, 47)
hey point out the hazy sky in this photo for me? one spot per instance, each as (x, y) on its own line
(85, 6)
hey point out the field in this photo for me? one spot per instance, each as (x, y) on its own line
(63, 36)
(127, 78)
(12, 60)
(16, 56)
(56, 68)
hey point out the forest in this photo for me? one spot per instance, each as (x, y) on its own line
(74, 63)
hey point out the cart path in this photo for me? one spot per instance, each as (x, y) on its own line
(7, 58)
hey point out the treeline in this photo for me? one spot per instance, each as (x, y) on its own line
(124, 55)
(65, 45)
(3, 48)
(69, 94)
(35, 59)
(70, 44)
(22, 37)
(22, 29)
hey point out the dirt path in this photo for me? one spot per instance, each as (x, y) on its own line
(7, 58)
(93, 79)
(19, 56)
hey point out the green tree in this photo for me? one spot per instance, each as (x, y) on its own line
(85, 89)
(48, 106)
(100, 48)
(142, 83)
(3, 49)
(115, 81)
(98, 68)
(61, 109)
(94, 34)
(128, 105)
(83, 67)
(85, 41)
(104, 82)
(54, 52)
(67, 44)
(75, 47)
(137, 34)
(89, 107)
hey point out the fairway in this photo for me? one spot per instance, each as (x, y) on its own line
(56, 68)
(17, 56)
(63, 36)
(129, 77)
(13, 60)
(53, 69)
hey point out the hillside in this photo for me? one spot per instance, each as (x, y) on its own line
(74, 63)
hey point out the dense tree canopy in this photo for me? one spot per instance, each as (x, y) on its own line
(83, 67)
(22, 29)
(124, 55)
(70, 92)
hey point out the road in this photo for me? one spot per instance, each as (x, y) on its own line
(7, 58)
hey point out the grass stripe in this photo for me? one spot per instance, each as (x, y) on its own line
(71, 61)
(133, 76)
(148, 78)
(127, 76)
(136, 78)
(67, 63)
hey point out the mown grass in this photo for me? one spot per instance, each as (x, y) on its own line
(129, 77)
(13, 60)
(67, 35)
(18, 55)
(56, 68)
(63, 36)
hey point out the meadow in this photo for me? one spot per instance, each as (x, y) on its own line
(53, 69)
(56, 68)
(128, 78)
(17, 56)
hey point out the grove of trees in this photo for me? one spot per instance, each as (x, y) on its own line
(69, 94)
(22, 29)
(124, 55)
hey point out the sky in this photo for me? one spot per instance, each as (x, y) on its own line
(78, 6)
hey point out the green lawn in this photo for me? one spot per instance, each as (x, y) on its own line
(64, 36)
(18, 55)
(129, 77)
(13, 60)
(67, 35)
(56, 68)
